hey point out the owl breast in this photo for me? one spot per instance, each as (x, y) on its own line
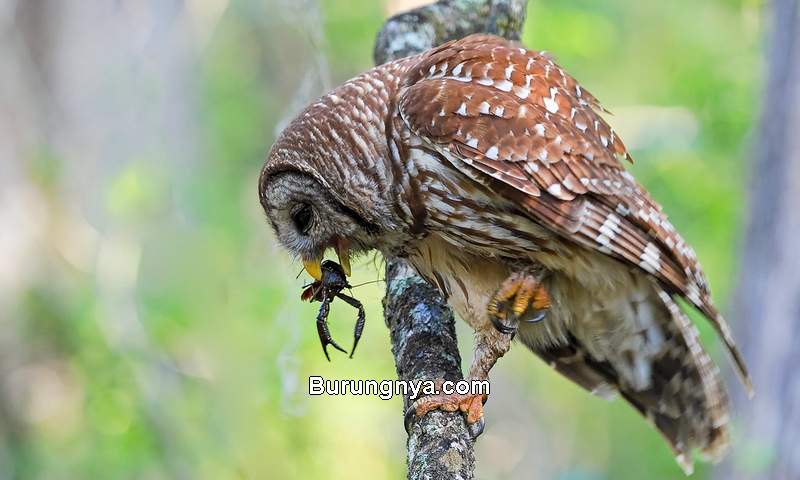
(618, 324)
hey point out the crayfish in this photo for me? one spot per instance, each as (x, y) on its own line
(324, 291)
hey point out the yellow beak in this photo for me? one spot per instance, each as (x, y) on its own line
(314, 268)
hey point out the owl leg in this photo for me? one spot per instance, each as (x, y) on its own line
(490, 345)
(521, 297)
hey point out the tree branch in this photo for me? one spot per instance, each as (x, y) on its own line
(422, 327)
(412, 32)
(424, 345)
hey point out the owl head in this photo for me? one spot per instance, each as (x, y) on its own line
(324, 184)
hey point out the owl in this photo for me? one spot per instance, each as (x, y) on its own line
(494, 174)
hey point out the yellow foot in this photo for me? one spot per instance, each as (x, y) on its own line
(470, 405)
(521, 297)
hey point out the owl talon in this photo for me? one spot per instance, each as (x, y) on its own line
(409, 418)
(537, 316)
(476, 429)
(521, 297)
(501, 327)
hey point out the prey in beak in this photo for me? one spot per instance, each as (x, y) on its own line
(332, 280)
(314, 266)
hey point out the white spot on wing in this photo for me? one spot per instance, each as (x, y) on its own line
(555, 190)
(650, 258)
(610, 227)
(504, 85)
(604, 242)
(543, 155)
(528, 79)
(693, 293)
(550, 105)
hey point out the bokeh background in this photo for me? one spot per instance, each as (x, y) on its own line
(150, 328)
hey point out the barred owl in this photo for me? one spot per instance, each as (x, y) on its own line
(492, 171)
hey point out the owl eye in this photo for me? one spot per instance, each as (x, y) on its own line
(303, 217)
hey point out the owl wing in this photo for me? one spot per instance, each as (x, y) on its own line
(515, 121)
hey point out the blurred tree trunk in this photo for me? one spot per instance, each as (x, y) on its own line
(768, 300)
(87, 90)
(24, 27)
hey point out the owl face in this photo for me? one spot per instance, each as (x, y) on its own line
(308, 220)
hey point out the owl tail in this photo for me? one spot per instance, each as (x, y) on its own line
(686, 400)
(682, 396)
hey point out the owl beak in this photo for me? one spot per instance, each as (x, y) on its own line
(344, 255)
(314, 268)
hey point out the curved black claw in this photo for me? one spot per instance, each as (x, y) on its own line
(360, 320)
(322, 329)
(537, 316)
(359, 329)
(334, 345)
(501, 327)
(410, 418)
(476, 429)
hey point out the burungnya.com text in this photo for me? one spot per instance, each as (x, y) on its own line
(386, 389)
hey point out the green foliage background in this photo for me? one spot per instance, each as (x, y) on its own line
(211, 384)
